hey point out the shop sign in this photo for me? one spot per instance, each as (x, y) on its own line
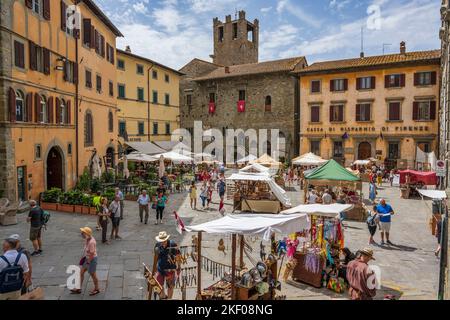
(440, 168)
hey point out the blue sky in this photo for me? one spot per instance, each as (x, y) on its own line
(173, 32)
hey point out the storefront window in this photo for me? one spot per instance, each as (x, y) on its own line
(338, 150)
(394, 151)
(315, 147)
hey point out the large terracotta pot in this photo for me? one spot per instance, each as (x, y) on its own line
(66, 208)
(49, 206)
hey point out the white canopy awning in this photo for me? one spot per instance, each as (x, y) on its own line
(362, 162)
(246, 159)
(309, 159)
(145, 147)
(433, 194)
(175, 157)
(256, 167)
(140, 157)
(325, 210)
(279, 193)
(254, 224)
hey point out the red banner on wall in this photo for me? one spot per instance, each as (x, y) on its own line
(241, 106)
(212, 107)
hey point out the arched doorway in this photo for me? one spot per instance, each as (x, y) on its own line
(364, 151)
(110, 163)
(54, 169)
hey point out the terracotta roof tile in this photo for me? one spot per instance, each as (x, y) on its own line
(374, 61)
(284, 65)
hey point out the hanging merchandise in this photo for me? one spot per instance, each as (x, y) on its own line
(312, 261)
(291, 247)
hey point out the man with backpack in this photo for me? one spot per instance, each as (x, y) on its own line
(13, 270)
(36, 218)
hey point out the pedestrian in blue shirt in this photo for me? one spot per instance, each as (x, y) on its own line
(385, 213)
(143, 201)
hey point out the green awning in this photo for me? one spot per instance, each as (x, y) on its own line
(332, 171)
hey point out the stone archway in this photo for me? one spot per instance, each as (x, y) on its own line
(364, 150)
(55, 169)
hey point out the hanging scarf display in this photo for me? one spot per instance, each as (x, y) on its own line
(291, 247)
(312, 262)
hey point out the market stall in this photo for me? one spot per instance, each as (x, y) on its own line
(267, 161)
(411, 181)
(309, 160)
(260, 281)
(257, 192)
(316, 260)
(341, 183)
(364, 167)
(246, 160)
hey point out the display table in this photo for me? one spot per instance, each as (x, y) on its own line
(302, 275)
(261, 206)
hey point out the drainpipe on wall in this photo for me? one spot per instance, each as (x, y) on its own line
(297, 117)
(148, 102)
(76, 106)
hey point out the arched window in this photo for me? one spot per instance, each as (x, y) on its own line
(268, 104)
(110, 122)
(43, 110)
(88, 129)
(20, 106)
(62, 112)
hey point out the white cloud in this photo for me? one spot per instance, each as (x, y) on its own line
(415, 22)
(266, 10)
(273, 42)
(339, 4)
(200, 6)
(286, 7)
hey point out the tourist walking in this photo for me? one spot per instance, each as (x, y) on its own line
(193, 195)
(221, 187)
(312, 198)
(88, 261)
(161, 201)
(14, 270)
(209, 194)
(372, 191)
(391, 177)
(27, 280)
(385, 213)
(372, 222)
(166, 251)
(104, 214)
(97, 203)
(143, 201)
(359, 275)
(35, 218)
(115, 210)
(119, 194)
(379, 178)
(204, 194)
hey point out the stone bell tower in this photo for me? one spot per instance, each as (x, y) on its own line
(235, 42)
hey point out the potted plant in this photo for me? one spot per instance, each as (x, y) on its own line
(77, 201)
(86, 202)
(50, 199)
(65, 204)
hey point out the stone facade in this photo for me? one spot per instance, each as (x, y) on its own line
(445, 88)
(279, 86)
(235, 42)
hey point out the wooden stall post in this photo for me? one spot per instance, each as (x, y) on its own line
(199, 266)
(241, 252)
(233, 267)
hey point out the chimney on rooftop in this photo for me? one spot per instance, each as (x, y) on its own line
(128, 49)
(403, 47)
(361, 55)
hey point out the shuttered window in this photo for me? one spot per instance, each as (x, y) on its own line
(19, 54)
(111, 88)
(424, 110)
(110, 122)
(20, 109)
(425, 78)
(88, 79)
(338, 85)
(88, 129)
(315, 114)
(365, 83)
(363, 112)
(46, 9)
(394, 111)
(155, 96)
(63, 16)
(87, 32)
(337, 113)
(141, 127)
(140, 94)
(395, 81)
(121, 89)
(167, 128)
(155, 128)
(316, 86)
(167, 99)
(99, 84)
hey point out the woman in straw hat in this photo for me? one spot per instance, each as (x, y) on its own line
(167, 251)
(89, 261)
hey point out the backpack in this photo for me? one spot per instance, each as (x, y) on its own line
(45, 217)
(11, 278)
(371, 220)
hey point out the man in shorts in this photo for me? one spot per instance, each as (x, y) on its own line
(385, 212)
(166, 250)
(116, 215)
(35, 220)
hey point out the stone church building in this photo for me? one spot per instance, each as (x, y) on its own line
(236, 91)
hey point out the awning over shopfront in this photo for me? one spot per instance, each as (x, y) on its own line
(433, 194)
(254, 224)
(145, 147)
(175, 157)
(140, 157)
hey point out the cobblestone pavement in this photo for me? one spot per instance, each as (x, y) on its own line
(409, 269)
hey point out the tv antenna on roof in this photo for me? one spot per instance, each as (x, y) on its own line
(362, 43)
(386, 45)
(235, 13)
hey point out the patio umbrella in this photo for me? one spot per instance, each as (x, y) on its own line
(162, 167)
